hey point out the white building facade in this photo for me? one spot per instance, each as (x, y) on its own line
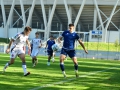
(53, 16)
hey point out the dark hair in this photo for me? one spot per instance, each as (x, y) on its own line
(27, 28)
(71, 24)
(51, 36)
(37, 33)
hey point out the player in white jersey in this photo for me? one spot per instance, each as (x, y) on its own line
(16, 44)
(35, 45)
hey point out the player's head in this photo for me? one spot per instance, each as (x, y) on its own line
(27, 30)
(37, 34)
(51, 37)
(71, 27)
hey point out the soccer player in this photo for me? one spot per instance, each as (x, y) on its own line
(49, 44)
(35, 45)
(69, 37)
(16, 44)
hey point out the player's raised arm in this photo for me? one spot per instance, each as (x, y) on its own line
(59, 39)
(81, 43)
(28, 44)
(9, 45)
(46, 45)
(40, 44)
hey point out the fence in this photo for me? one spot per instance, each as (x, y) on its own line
(94, 54)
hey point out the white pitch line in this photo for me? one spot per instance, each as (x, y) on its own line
(60, 82)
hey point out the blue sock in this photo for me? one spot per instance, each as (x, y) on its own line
(23, 63)
(48, 60)
(62, 66)
(76, 66)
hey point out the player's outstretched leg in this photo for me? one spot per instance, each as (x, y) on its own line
(35, 61)
(53, 57)
(76, 70)
(5, 67)
(8, 64)
(62, 65)
(25, 69)
(75, 66)
(63, 69)
(48, 62)
(22, 57)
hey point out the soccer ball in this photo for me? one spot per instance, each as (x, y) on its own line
(55, 47)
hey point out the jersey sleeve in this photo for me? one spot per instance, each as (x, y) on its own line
(31, 41)
(54, 42)
(16, 36)
(77, 37)
(63, 34)
(40, 40)
(47, 42)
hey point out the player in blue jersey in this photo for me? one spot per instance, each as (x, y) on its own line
(69, 37)
(49, 44)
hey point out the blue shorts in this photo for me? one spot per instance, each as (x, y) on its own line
(50, 52)
(70, 53)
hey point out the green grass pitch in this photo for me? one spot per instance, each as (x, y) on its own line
(94, 75)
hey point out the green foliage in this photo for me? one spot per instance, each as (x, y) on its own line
(116, 43)
(94, 75)
(4, 40)
(100, 46)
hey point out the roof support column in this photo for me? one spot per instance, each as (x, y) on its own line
(23, 14)
(9, 18)
(51, 17)
(44, 14)
(100, 19)
(3, 12)
(111, 15)
(95, 19)
(70, 11)
(79, 13)
(67, 11)
(50, 8)
(44, 18)
(80, 22)
(30, 13)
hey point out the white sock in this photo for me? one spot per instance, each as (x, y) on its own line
(24, 69)
(63, 72)
(6, 65)
(76, 71)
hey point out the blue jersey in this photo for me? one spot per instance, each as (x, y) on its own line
(69, 39)
(50, 43)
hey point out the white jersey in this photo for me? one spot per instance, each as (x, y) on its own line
(18, 44)
(36, 43)
(19, 40)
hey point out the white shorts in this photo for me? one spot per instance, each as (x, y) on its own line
(16, 51)
(35, 52)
